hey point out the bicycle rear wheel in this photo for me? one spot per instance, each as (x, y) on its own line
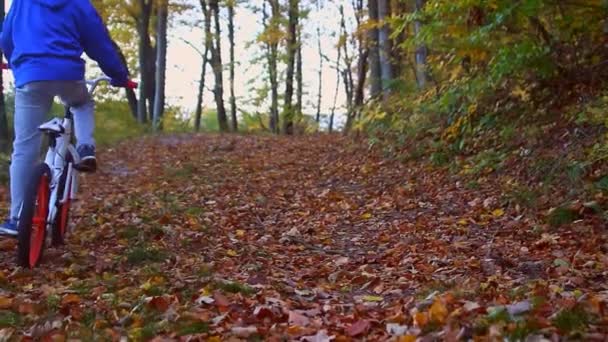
(33, 218)
(60, 224)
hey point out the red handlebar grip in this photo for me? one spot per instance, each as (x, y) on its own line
(131, 84)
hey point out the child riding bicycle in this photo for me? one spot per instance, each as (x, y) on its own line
(43, 41)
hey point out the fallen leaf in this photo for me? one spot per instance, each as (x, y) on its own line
(160, 303)
(320, 336)
(5, 302)
(395, 329)
(70, 299)
(498, 212)
(221, 300)
(438, 312)
(519, 308)
(471, 306)
(369, 298)
(244, 331)
(296, 318)
(358, 328)
(421, 319)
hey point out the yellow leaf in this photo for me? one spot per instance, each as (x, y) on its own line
(407, 338)
(366, 216)
(231, 252)
(240, 233)
(373, 298)
(498, 212)
(438, 312)
(146, 286)
(463, 222)
(214, 339)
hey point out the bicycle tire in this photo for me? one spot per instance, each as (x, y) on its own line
(33, 218)
(60, 223)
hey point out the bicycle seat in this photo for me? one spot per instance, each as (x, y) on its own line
(52, 126)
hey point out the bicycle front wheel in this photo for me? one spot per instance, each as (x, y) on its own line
(33, 218)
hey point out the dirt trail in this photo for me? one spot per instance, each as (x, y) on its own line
(272, 238)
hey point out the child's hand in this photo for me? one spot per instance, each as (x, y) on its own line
(124, 84)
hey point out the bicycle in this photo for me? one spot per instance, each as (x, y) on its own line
(53, 186)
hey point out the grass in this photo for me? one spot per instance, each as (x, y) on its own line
(571, 320)
(562, 216)
(140, 254)
(523, 196)
(235, 287)
(129, 233)
(192, 328)
(9, 319)
(53, 302)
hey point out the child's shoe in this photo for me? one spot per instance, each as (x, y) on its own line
(9, 227)
(88, 162)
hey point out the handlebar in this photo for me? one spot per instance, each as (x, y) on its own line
(95, 82)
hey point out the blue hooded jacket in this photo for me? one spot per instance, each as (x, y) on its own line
(43, 40)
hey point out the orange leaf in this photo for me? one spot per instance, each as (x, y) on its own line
(438, 312)
(421, 319)
(70, 299)
(5, 302)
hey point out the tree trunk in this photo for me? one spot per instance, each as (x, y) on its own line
(151, 60)
(359, 88)
(292, 42)
(201, 89)
(216, 64)
(299, 79)
(333, 108)
(421, 51)
(143, 23)
(374, 53)
(161, 60)
(231, 4)
(5, 140)
(130, 93)
(320, 91)
(386, 71)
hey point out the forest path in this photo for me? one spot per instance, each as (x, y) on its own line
(298, 238)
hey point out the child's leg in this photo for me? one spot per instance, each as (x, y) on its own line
(75, 94)
(32, 103)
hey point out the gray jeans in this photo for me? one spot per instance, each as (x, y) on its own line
(33, 101)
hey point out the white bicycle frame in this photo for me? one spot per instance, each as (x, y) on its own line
(60, 135)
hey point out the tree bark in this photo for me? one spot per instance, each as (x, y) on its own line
(386, 71)
(272, 55)
(334, 106)
(359, 88)
(299, 79)
(233, 111)
(161, 60)
(5, 140)
(201, 88)
(374, 53)
(421, 51)
(130, 93)
(143, 25)
(292, 42)
(320, 91)
(216, 64)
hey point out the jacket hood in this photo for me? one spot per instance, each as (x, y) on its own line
(54, 4)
